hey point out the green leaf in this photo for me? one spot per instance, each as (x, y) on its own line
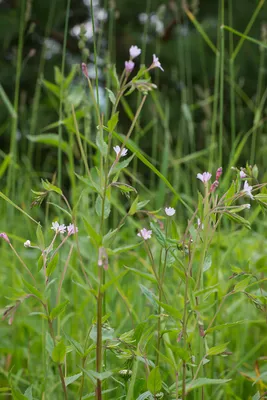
(241, 286)
(71, 379)
(109, 236)
(149, 295)
(238, 219)
(17, 395)
(113, 73)
(7, 103)
(49, 344)
(154, 383)
(98, 207)
(121, 165)
(58, 310)
(133, 207)
(17, 207)
(94, 236)
(52, 87)
(111, 96)
(144, 275)
(214, 351)
(146, 395)
(59, 352)
(226, 326)
(100, 375)
(51, 139)
(112, 123)
(58, 76)
(101, 144)
(107, 333)
(5, 164)
(40, 263)
(204, 382)
(31, 289)
(207, 263)
(76, 345)
(142, 204)
(170, 310)
(256, 396)
(112, 281)
(159, 235)
(125, 188)
(50, 187)
(52, 265)
(40, 237)
(28, 393)
(179, 352)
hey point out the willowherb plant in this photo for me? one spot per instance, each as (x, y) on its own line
(176, 340)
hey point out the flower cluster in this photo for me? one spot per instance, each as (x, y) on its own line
(129, 65)
(205, 177)
(135, 52)
(71, 228)
(118, 151)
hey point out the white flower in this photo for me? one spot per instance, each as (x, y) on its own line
(72, 229)
(145, 234)
(27, 243)
(58, 228)
(117, 150)
(170, 211)
(247, 190)
(156, 63)
(247, 206)
(199, 224)
(205, 177)
(134, 52)
(242, 174)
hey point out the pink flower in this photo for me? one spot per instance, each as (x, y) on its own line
(219, 173)
(129, 66)
(205, 177)
(247, 190)
(117, 150)
(72, 229)
(5, 237)
(169, 211)
(242, 174)
(85, 70)
(156, 63)
(58, 228)
(145, 234)
(134, 52)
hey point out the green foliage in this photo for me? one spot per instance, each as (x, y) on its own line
(181, 314)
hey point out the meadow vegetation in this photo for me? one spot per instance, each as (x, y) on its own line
(132, 214)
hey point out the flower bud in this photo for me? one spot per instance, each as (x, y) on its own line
(5, 237)
(85, 70)
(214, 186)
(219, 173)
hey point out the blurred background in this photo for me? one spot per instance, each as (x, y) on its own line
(194, 116)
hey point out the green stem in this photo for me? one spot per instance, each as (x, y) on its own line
(221, 85)
(61, 99)
(99, 335)
(11, 179)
